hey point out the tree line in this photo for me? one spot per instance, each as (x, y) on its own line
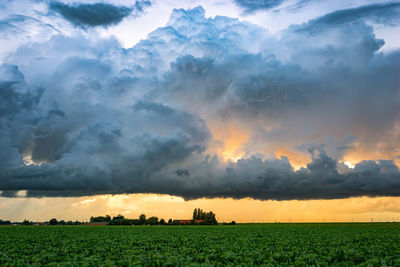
(199, 217)
(121, 220)
(5, 222)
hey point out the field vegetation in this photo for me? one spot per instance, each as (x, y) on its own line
(344, 244)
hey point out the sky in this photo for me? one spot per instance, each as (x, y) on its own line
(259, 110)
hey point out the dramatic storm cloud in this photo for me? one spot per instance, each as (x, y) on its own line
(98, 14)
(204, 107)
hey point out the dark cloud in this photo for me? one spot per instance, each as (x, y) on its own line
(182, 172)
(250, 6)
(253, 177)
(188, 72)
(275, 179)
(15, 95)
(98, 14)
(335, 148)
(86, 117)
(382, 13)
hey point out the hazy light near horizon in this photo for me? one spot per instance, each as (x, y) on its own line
(362, 209)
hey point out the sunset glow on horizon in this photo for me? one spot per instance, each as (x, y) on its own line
(363, 209)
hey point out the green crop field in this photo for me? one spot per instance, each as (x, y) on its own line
(361, 244)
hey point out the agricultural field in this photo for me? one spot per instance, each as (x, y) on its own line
(343, 244)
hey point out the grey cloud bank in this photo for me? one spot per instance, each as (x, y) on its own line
(253, 177)
(381, 13)
(98, 14)
(250, 6)
(96, 118)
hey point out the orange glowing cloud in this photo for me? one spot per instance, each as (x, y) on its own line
(232, 137)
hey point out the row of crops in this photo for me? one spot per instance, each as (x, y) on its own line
(240, 245)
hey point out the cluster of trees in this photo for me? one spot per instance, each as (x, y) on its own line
(62, 222)
(199, 217)
(106, 218)
(207, 217)
(26, 222)
(51, 222)
(5, 222)
(121, 220)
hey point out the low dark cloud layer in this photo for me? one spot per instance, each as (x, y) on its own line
(252, 177)
(98, 14)
(83, 116)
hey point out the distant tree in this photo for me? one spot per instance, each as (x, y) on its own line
(142, 219)
(53, 221)
(162, 221)
(5, 222)
(118, 217)
(152, 220)
(106, 218)
(195, 214)
(114, 222)
(117, 220)
(233, 222)
(198, 214)
(202, 215)
(170, 221)
(126, 222)
(208, 217)
(26, 222)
